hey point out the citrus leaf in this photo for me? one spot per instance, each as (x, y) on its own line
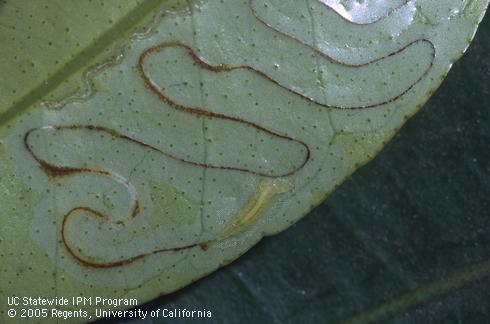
(210, 132)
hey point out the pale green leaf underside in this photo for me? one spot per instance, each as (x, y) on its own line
(177, 164)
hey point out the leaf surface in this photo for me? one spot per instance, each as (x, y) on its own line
(205, 136)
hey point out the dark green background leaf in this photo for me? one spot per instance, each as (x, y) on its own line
(404, 240)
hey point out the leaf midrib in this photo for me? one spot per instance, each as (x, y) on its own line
(82, 59)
